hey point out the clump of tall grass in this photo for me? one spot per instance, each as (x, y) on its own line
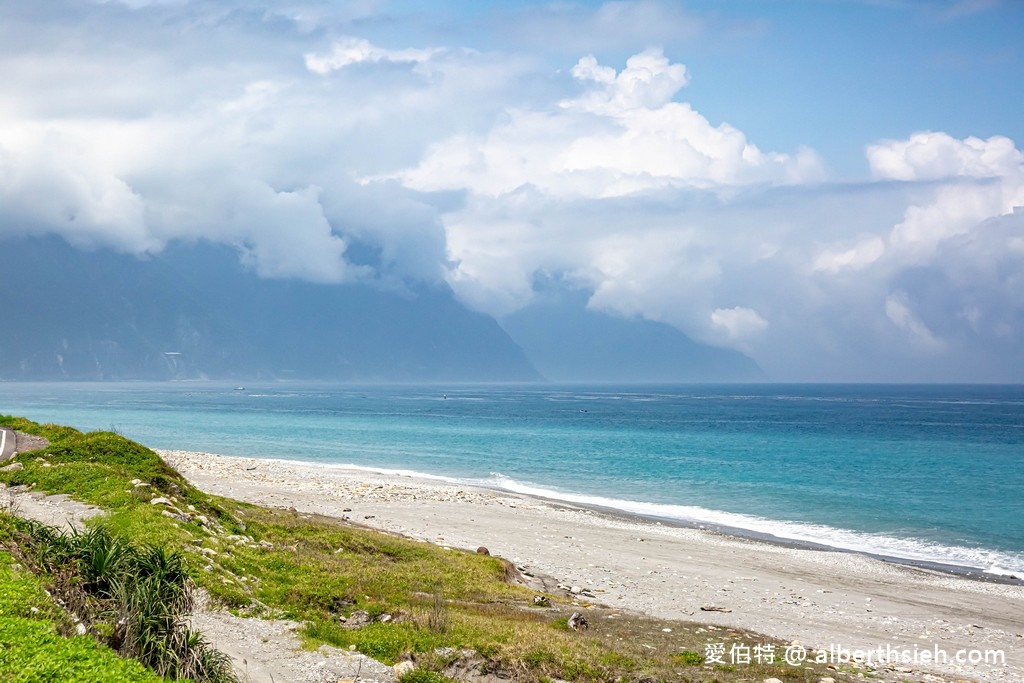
(135, 599)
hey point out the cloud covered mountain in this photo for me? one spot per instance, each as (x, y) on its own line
(849, 214)
(195, 312)
(569, 342)
(198, 312)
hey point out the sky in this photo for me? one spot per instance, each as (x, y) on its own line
(834, 187)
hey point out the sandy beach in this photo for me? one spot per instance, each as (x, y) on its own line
(815, 599)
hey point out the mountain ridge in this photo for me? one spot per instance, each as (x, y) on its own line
(194, 311)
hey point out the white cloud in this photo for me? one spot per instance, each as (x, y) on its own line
(931, 156)
(621, 136)
(48, 182)
(649, 81)
(262, 163)
(974, 180)
(898, 310)
(858, 257)
(350, 50)
(738, 323)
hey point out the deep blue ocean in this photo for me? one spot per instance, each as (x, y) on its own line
(929, 473)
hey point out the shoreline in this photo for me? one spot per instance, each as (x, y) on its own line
(817, 597)
(962, 571)
(972, 572)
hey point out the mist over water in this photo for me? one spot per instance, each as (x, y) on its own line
(932, 473)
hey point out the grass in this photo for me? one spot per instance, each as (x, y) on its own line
(450, 611)
(133, 599)
(32, 647)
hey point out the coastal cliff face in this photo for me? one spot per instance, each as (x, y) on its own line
(196, 312)
(569, 342)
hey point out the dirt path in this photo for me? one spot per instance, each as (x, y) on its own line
(262, 650)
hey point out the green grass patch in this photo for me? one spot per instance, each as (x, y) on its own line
(32, 648)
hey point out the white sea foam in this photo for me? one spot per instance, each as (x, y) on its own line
(991, 562)
(1004, 564)
(996, 570)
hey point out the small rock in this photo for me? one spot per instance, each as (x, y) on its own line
(209, 552)
(541, 601)
(80, 629)
(482, 551)
(827, 679)
(772, 680)
(358, 619)
(13, 467)
(575, 590)
(160, 500)
(266, 544)
(712, 608)
(577, 622)
(403, 668)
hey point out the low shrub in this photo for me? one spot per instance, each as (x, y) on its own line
(134, 599)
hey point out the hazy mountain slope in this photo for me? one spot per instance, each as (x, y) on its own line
(196, 312)
(568, 342)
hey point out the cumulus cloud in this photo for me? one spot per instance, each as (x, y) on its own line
(931, 155)
(244, 149)
(649, 81)
(973, 180)
(622, 135)
(48, 183)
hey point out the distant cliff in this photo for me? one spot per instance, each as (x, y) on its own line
(195, 312)
(568, 342)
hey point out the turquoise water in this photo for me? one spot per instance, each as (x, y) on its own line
(933, 473)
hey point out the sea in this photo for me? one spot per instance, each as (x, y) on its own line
(929, 474)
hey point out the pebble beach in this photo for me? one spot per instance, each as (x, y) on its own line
(813, 598)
